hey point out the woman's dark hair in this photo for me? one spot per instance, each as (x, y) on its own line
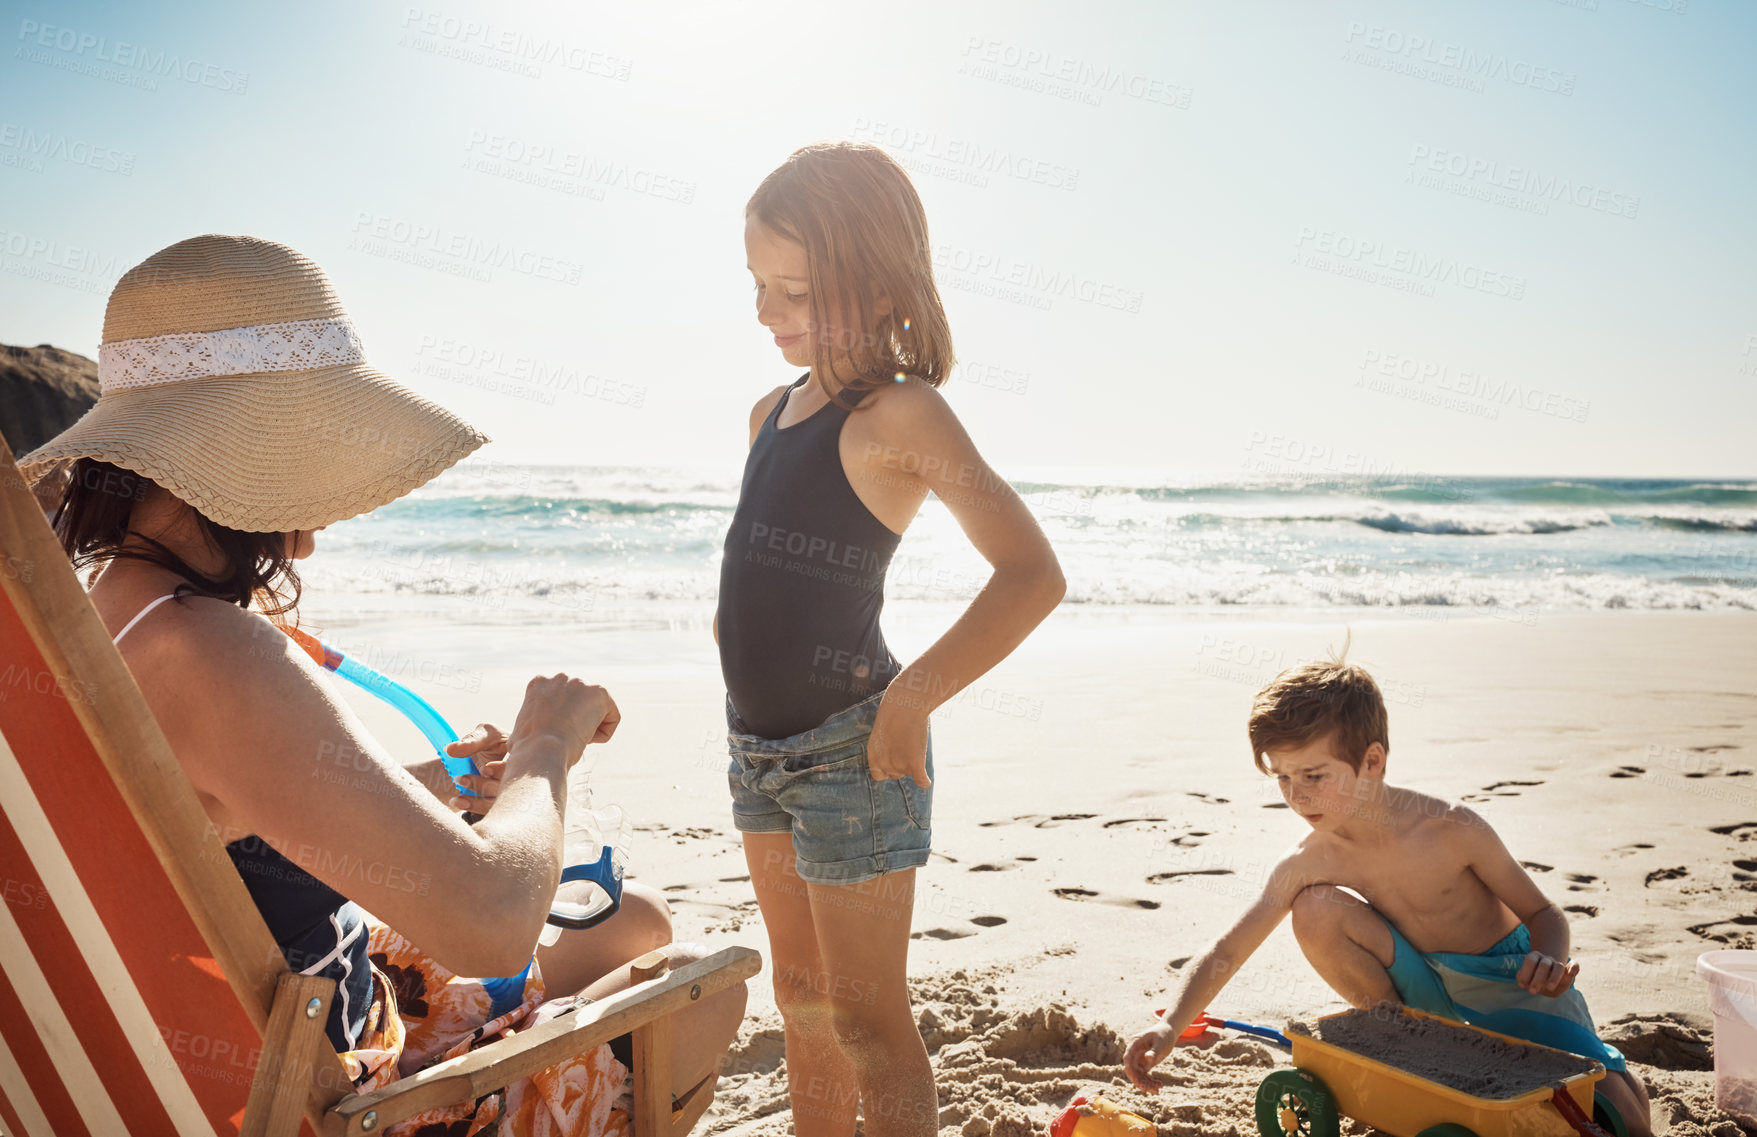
(92, 522)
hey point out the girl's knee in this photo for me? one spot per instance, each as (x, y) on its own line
(870, 1034)
(800, 996)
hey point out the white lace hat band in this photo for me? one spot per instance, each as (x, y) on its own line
(295, 345)
(289, 426)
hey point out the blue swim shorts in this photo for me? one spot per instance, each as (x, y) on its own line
(1483, 990)
(846, 826)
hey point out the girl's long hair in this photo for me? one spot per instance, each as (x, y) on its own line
(865, 236)
(92, 523)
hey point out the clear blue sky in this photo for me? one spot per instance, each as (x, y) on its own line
(1496, 237)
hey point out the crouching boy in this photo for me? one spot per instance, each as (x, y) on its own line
(1396, 896)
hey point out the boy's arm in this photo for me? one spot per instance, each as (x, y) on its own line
(1209, 972)
(1546, 970)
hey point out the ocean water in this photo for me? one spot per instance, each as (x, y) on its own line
(539, 543)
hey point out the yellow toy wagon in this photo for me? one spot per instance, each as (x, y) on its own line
(1329, 1082)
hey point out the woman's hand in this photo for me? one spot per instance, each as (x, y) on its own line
(1146, 1052)
(487, 746)
(574, 712)
(897, 747)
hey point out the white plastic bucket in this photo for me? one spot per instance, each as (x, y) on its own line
(1732, 996)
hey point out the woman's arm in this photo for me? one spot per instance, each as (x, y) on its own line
(278, 754)
(910, 439)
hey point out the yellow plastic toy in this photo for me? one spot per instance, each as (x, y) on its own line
(1096, 1117)
(1328, 1083)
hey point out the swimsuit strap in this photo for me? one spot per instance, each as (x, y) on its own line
(129, 626)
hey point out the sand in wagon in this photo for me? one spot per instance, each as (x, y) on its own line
(1457, 1057)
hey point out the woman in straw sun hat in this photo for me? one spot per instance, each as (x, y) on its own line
(237, 417)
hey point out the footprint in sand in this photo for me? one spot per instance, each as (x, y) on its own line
(1040, 821)
(1745, 869)
(1727, 931)
(1121, 821)
(1586, 910)
(1535, 867)
(1743, 830)
(1665, 874)
(1579, 881)
(959, 933)
(1626, 850)
(1628, 772)
(1496, 789)
(1158, 877)
(1056, 819)
(989, 866)
(1088, 894)
(1275, 805)
(1209, 798)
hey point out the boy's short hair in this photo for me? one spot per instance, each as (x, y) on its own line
(1324, 697)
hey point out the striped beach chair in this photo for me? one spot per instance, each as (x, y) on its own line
(140, 991)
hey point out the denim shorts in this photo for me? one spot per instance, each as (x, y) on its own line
(847, 827)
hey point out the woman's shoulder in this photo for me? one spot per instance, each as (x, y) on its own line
(202, 640)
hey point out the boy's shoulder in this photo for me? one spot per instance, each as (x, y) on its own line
(1419, 825)
(1425, 818)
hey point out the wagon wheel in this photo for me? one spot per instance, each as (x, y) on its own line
(1446, 1129)
(1294, 1103)
(1607, 1117)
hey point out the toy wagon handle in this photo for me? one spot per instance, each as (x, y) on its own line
(1574, 1116)
(1263, 1032)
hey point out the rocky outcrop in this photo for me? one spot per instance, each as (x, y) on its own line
(43, 391)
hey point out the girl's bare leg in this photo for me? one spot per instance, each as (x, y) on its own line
(863, 940)
(820, 1080)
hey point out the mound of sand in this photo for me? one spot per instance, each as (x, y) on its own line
(1006, 1070)
(1669, 1041)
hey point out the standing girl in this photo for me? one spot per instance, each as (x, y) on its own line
(832, 767)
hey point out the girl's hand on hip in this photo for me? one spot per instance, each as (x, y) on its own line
(897, 747)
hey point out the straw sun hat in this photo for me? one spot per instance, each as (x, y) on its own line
(230, 375)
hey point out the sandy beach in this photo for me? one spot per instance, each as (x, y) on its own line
(1098, 820)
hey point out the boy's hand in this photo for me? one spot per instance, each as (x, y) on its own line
(1542, 975)
(1146, 1052)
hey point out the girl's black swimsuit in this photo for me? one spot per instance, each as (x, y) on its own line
(802, 581)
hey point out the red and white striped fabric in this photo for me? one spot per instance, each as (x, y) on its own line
(115, 1017)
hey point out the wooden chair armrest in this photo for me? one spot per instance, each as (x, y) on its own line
(498, 1064)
